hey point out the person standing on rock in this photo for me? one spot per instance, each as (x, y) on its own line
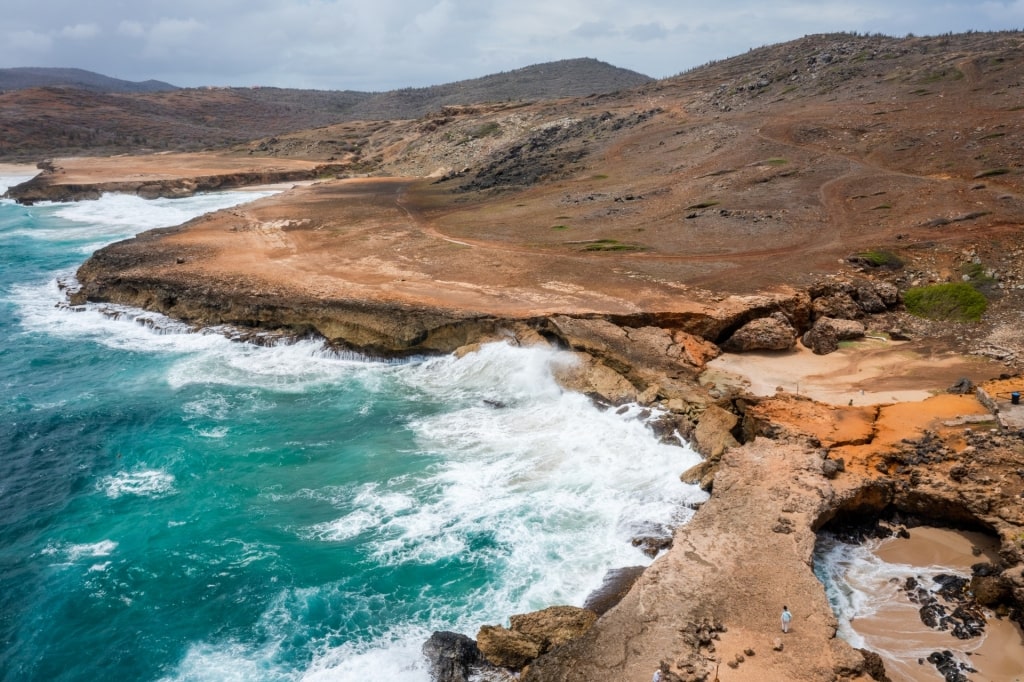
(786, 617)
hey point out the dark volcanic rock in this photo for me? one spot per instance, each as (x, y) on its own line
(451, 656)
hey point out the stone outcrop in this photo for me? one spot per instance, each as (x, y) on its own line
(765, 333)
(532, 634)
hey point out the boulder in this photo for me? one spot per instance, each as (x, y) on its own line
(838, 306)
(713, 434)
(764, 333)
(868, 298)
(695, 350)
(507, 648)
(554, 625)
(990, 590)
(451, 656)
(889, 293)
(585, 374)
(531, 634)
(824, 337)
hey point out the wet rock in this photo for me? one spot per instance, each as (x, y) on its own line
(614, 587)
(874, 666)
(947, 665)
(451, 656)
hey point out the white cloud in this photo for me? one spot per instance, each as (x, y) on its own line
(132, 29)
(385, 44)
(28, 41)
(80, 31)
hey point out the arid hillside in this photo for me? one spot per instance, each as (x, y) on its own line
(62, 112)
(774, 168)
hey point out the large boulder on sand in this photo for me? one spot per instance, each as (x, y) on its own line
(764, 333)
(824, 337)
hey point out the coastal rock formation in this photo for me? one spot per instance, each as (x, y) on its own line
(453, 657)
(532, 634)
(157, 179)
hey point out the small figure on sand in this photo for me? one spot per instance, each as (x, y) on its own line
(786, 617)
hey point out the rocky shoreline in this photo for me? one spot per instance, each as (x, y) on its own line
(712, 599)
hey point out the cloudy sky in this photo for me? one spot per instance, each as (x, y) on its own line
(385, 44)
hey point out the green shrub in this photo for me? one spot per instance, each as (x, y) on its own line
(489, 128)
(878, 258)
(610, 245)
(954, 301)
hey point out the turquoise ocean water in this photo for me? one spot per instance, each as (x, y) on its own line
(177, 506)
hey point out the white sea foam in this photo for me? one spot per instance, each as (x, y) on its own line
(73, 552)
(88, 225)
(144, 483)
(8, 181)
(859, 584)
(537, 482)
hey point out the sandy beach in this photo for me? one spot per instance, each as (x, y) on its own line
(897, 633)
(867, 372)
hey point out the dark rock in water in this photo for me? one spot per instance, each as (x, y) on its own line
(874, 666)
(951, 587)
(933, 614)
(613, 588)
(451, 656)
(496, 404)
(968, 621)
(651, 545)
(947, 665)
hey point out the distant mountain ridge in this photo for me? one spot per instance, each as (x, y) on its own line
(551, 80)
(101, 116)
(21, 78)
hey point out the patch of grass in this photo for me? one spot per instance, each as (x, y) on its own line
(945, 74)
(599, 176)
(952, 301)
(610, 245)
(991, 171)
(878, 258)
(881, 207)
(489, 128)
(921, 92)
(776, 162)
(703, 204)
(991, 136)
(559, 227)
